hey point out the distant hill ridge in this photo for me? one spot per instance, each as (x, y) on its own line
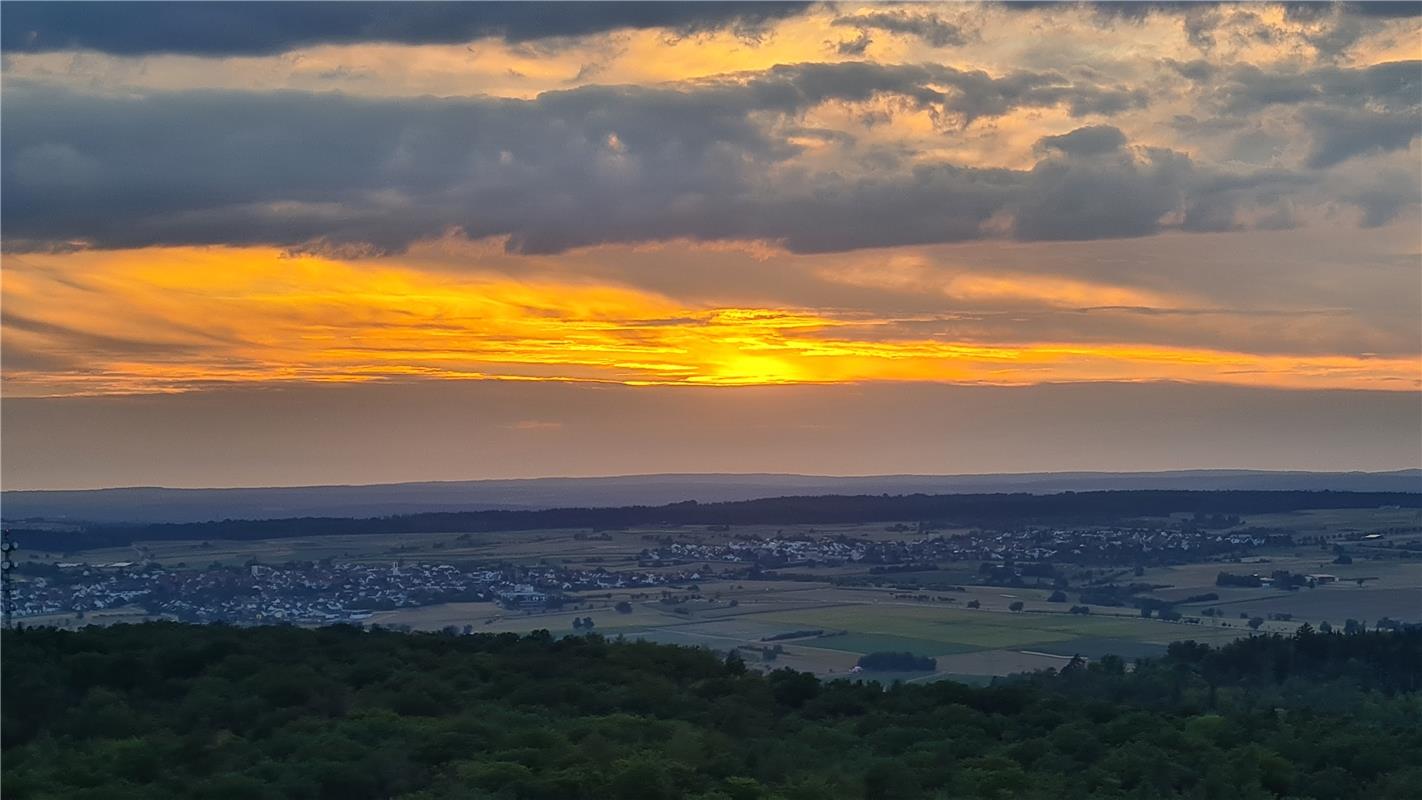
(163, 505)
(961, 510)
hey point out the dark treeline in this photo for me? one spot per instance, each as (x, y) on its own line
(959, 509)
(164, 710)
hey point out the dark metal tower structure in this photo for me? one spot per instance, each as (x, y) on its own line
(7, 566)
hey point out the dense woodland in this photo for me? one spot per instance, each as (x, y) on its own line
(166, 710)
(958, 509)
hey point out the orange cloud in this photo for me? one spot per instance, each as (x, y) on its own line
(182, 319)
(908, 273)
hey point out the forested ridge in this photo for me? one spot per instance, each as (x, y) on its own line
(963, 509)
(166, 710)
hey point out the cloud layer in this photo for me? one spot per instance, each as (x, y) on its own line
(974, 193)
(901, 136)
(719, 158)
(260, 28)
(314, 242)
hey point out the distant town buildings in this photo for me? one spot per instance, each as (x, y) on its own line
(305, 593)
(325, 592)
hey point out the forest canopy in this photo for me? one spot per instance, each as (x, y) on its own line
(165, 710)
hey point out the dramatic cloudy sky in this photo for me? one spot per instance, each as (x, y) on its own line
(306, 243)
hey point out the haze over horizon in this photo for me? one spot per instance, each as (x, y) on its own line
(145, 505)
(296, 244)
(1407, 473)
(491, 430)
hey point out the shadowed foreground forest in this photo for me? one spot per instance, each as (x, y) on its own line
(166, 710)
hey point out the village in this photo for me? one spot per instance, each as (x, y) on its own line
(1097, 546)
(302, 592)
(330, 591)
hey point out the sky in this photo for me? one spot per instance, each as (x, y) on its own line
(282, 244)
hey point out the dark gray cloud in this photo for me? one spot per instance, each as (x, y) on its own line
(954, 96)
(1127, 10)
(1336, 26)
(827, 212)
(1345, 112)
(1091, 185)
(1101, 194)
(931, 28)
(1339, 135)
(1089, 141)
(1131, 10)
(1245, 88)
(264, 28)
(857, 46)
(1218, 199)
(1341, 25)
(705, 160)
(1385, 9)
(290, 167)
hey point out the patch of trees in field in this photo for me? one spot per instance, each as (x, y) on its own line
(175, 711)
(804, 634)
(897, 662)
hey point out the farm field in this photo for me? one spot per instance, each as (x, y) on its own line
(1389, 588)
(839, 625)
(861, 619)
(1342, 521)
(989, 663)
(109, 616)
(1333, 603)
(844, 610)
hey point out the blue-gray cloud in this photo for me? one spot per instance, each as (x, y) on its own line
(264, 28)
(584, 166)
(929, 27)
(705, 160)
(1339, 135)
(1088, 141)
(1345, 112)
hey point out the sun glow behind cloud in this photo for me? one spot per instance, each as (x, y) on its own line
(179, 319)
(727, 205)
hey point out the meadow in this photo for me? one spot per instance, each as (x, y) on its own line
(990, 640)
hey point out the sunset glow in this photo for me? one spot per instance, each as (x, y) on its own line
(737, 202)
(184, 319)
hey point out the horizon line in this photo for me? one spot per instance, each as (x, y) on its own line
(1211, 471)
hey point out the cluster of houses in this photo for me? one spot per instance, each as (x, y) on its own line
(1099, 545)
(303, 592)
(326, 591)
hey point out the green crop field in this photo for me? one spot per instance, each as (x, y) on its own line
(1008, 641)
